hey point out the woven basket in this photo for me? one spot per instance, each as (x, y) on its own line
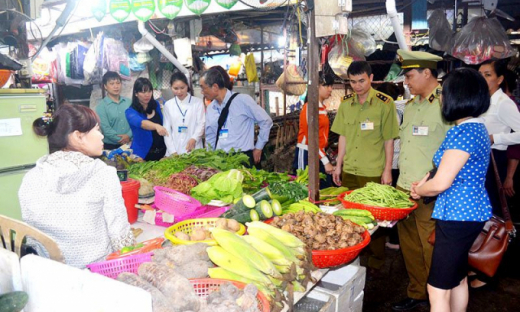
(291, 74)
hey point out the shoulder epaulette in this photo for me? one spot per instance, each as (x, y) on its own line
(431, 98)
(409, 101)
(383, 97)
(348, 96)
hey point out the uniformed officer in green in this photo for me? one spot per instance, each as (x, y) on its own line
(367, 124)
(422, 132)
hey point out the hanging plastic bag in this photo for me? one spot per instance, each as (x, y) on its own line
(143, 9)
(252, 75)
(362, 40)
(480, 40)
(93, 64)
(197, 6)
(143, 45)
(441, 36)
(226, 4)
(120, 9)
(134, 64)
(115, 57)
(99, 9)
(170, 8)
(42, 68)
(342, 54)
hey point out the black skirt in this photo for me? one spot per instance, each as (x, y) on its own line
(453, 239)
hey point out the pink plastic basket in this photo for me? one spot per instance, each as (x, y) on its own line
(112, 268)
(173, 202)
(201, 212)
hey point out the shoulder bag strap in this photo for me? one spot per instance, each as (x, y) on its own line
(503, 201)
(223, 117)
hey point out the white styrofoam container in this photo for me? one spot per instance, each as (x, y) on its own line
(357, 305)
(55, 287)
(10, 275)
(345, 284)
(330, 301)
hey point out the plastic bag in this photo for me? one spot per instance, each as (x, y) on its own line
(198, 6)
(362, 40)
(93, 63)
(480, 40)
(143, 45)
(441, 36)
(115, 57)
(170, 8)
(252, 75)
(67, 66)
(42, 68)
(342, 54)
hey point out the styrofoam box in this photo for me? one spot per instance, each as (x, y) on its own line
(345, 284)
(327, 302)
(357, 305)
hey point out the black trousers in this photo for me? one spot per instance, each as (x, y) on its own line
(252, 160)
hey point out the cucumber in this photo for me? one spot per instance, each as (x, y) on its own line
(242, 217)
(264, 210)
(277, 207)
(282, 199)
(14, 301)
(245, 203)
(353, 212)
(358, 220)
(253, 215)
(263, 194)
(288, 203)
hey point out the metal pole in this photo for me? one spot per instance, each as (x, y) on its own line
(455, 14)
(313, 110)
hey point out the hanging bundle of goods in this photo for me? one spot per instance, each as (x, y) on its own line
(291, 81)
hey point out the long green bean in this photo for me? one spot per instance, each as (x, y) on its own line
(380, 195)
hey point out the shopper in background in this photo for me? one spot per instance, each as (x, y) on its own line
(71, 196)
(421, 133)
(184, 118)
(502, 117)
(146, 119)
(111, 111)
(238, 128)
(462, 206)
(301, 158)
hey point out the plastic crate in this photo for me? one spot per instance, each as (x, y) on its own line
(112, 268)
(380, 213)
(316, 302)
(201, 212)
(174, 202)
(188, 225)
(345, 284)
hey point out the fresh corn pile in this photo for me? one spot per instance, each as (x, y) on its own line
(272, 259)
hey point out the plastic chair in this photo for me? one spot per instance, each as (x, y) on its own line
(13, 232)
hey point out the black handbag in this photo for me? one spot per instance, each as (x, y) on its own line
(429, 199)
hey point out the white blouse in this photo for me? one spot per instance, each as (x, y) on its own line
(501, 117)
(76, 200)
(184, 120)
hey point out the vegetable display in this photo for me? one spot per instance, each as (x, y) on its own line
(203, 233)
(201, 173)
(358, 216)
(302, 205)
(379, 195)
(259, 206)
(158, 172)
(321, 231)
(255, 179)
(224, 186)
(290, 190)
(181, 182)
(302, 176)
(329, 195)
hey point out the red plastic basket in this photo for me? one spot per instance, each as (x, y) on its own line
(112, 268)
(174, 202)
(331, 258)
(380, 213)
(205, 286)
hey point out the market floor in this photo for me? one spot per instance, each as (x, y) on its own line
(390, 286)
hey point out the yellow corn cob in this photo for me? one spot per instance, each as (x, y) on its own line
(271, 240)
(221, 273)
(285, 237)
(271, 252)
(282, 268)
(226, 260)
(238, 247)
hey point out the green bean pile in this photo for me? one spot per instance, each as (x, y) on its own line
(375, 194)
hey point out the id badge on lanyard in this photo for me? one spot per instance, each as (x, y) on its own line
(223, 134)
(183, 129)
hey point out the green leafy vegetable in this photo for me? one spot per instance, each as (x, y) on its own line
(291, 190)
(224, 186)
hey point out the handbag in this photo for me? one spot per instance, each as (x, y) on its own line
(489, 247)
(429, 199)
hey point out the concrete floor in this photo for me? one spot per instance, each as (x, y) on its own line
(390, 286)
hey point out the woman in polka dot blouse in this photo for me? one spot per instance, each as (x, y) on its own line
(462, 206)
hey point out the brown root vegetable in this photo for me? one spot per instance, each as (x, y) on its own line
(221, 224)
(194, 269)
(182, 254)
(182, 235)
(160, 302)
(233, 225)
(174, 286)
(198, 234)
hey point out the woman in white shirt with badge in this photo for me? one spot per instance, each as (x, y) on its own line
(184, 118)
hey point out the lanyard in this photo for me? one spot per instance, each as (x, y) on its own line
(186, 111)
(225, 122)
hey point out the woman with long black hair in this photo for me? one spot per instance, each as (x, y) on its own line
(146, 121)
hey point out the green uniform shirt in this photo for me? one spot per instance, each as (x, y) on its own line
(365, 152)
(416, 156)
(113, 119)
